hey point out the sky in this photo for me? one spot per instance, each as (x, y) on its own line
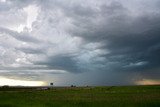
(79, 42)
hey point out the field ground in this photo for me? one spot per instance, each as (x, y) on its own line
(113, 96)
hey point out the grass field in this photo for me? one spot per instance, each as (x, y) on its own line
(115, 96)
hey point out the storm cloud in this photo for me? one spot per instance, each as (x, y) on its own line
(107, 42)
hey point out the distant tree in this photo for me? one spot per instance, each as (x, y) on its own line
(51, 84)
(73, 86)
(5, 86)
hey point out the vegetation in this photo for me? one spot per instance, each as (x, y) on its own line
(115, 96)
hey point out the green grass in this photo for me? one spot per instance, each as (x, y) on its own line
(117, 96)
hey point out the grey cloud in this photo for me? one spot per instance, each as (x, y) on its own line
(61, 62)
(137, 47)
(29, 74)
(22, 75)
(106, 21)
(31, 50)
(116, 41)
(128, 38)
(25, 37)
(123, 34)
(10, 4)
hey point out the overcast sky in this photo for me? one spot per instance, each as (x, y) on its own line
(80, 42)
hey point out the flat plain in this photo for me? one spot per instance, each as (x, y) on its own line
(107, 96)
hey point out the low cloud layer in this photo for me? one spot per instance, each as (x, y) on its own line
(107, 42)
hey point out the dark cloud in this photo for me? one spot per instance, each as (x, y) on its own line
(102, 42)
(61, 62)
(128, 39)
(136, 46)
